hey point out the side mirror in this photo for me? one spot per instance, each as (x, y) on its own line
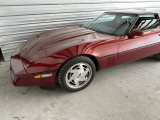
(135, 32)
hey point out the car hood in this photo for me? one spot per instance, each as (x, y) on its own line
(52, 41)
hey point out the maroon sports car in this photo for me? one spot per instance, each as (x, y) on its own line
(72, 55)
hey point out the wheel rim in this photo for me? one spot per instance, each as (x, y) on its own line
(78, 75)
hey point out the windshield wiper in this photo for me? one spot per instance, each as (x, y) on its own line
(102, 32)
(98, 31)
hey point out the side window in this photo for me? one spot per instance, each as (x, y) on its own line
(147, 22)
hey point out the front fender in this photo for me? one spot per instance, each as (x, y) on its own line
(54, 60)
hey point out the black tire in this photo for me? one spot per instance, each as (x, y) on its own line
(68, 65)
(157, 56)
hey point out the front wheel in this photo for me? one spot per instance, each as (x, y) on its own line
(76, 74)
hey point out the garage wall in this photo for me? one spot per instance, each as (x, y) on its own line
(21, 19)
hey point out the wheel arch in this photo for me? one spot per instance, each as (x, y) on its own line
(94, 59)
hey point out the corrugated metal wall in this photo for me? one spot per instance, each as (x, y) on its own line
(21, 19)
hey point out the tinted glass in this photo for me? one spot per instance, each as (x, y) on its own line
(147, 22)
(111, 23)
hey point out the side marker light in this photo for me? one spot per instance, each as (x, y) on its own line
(43, 76)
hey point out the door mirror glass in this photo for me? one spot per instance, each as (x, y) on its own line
(135, 32)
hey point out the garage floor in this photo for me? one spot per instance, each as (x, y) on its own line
(126, 92)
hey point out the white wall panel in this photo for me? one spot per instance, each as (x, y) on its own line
(21, 19)
(31, 2)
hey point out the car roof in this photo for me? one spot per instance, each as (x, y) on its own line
(137, 12)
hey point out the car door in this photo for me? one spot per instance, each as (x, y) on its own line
(141, 46)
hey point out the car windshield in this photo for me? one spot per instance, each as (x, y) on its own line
(111, 23)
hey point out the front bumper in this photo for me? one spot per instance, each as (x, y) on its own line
(29, 80)
(20, 79)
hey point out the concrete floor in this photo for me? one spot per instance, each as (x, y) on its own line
(126, 92)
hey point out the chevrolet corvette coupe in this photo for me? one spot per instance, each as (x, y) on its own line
(72, 55)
